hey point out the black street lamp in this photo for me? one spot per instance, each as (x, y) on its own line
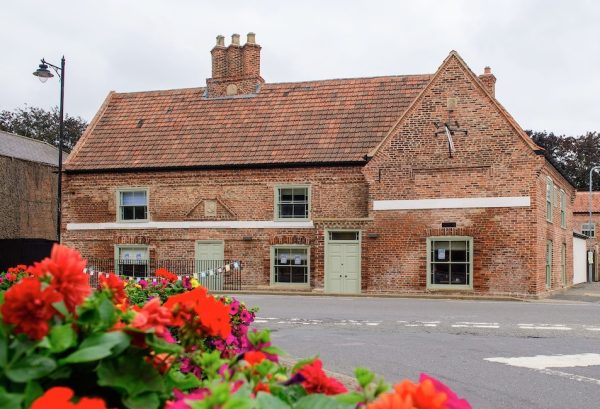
(43, 74)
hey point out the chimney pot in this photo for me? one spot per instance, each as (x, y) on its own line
(220, 41)
(487, 70)
(251, 38)
(235, 39)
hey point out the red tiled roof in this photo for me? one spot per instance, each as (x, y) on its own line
(582, 202)
(327, 121)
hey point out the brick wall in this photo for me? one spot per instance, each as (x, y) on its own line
(336, 193)
(28, 205)
(492, 160)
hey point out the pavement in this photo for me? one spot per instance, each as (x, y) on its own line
(584, 292)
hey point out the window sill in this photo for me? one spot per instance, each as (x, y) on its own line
(449, 287)
(134, 221)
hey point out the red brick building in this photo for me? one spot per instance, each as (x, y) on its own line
(406, 183)
(581, 220)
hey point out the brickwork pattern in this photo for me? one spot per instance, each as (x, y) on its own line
(28, 205)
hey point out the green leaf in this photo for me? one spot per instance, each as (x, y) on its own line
(29, 368)
(351, 398)
(364, 376)
(130, 373)
(62, 337)
(10, 400)
(159, 345)
(33, 390)
(274, 351)
(61, 307)
(3, 349)
(87, 355)
(268, 401)
(110, 340)
(143, 401)
(183, 381)
(317, 402)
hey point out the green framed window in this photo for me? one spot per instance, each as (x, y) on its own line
(292, 202)
(563, 264)
(563, 209)
(290, 265)
(132, 204)
(548, 263)
(450, 262)
(589, 229)
(549, 199)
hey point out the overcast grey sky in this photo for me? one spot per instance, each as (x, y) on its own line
(545, 54)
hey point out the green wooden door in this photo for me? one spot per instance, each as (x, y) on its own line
(342, 266)
(209, 259)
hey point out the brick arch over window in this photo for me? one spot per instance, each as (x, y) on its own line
(288, 239)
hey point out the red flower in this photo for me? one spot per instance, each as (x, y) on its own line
(407, 395)
(115, 285)
(21, 268)
(153, 316)
(453, 401)
(11, 276)
(316, 381)
(60, 398)
(202, 312)
(66, 266)
(29, 308)
(166, 274)
(262, 387)
(254, 357)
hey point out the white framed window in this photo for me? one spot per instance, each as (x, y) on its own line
(292, 202)
(589, 229)
(549, 199)
(450, 262)
(548, 263)
(132, 205)
(563, 209)
(131, 260)
(290, 265)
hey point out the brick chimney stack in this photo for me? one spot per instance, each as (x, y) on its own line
(489, 81)
(236, 68)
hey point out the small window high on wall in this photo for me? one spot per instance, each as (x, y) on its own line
(132, 205)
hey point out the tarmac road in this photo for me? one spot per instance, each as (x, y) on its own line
(497, 354)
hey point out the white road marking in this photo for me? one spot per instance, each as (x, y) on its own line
(467, 324)
(592, 328)
(541, 363)
(419, 323)
(550, 361)
(260, 321)
(558, 327)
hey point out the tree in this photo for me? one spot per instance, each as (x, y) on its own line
(575, 155)
(38, 123)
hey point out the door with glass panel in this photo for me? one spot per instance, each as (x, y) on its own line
(342, 262)
(210, 263)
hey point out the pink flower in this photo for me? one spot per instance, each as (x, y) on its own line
(234, 307)
(246, 317)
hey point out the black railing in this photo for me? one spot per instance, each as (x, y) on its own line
(216, 275)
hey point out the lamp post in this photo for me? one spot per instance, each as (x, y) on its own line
(43, 74)
(590, 220)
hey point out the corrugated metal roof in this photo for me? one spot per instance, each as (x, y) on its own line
(21, 147)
